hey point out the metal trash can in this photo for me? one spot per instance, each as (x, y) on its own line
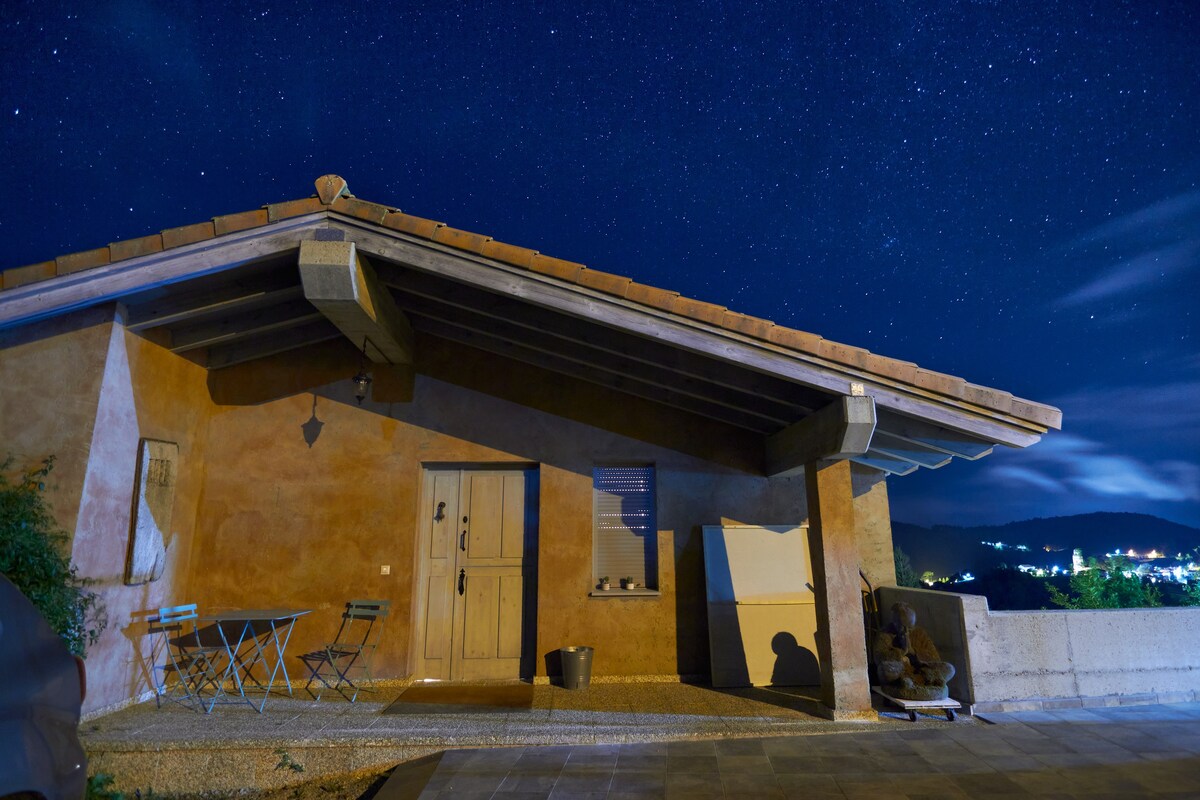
(577, 667)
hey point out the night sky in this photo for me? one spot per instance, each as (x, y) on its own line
(1008, 192)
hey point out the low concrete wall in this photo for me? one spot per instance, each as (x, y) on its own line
(1010, 660)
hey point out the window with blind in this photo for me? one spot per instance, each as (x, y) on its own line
(624, 532)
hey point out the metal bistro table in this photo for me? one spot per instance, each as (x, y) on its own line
(249, 637)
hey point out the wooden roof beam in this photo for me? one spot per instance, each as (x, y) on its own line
(243, 326)
(268, 344)
(896, 447)
(933, 437)
(839, 431)
(344, 288)
(886, 463)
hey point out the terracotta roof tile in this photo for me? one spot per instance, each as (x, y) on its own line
(30, 273)
(333, 195)
(132, 248)
(85, 260)
(903, 371)
(187, 234)
(361, 209)
(294, 208)
(331, 187)
(794, 339)
(463, 240)
(231, 223)
(699, 310)
(1043, 415)
(940, 382)
(989, 398)
(508, 253)
(844, 353)
(651, 296)
(407, 223)
(750, 326)
(604, 281)
(556, 267)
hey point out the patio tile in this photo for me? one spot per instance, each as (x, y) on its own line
(638, 782)
(685, 786)
(692, 764)
(744, 765)
(764, 786)
(598, 782)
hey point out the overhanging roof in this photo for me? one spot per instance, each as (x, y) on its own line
(228, 291)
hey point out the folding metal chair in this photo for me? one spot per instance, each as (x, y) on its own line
(190, 666)
(351, 650)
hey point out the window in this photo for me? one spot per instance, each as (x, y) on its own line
(624, 528)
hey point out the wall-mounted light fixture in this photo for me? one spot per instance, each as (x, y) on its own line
(362, 381)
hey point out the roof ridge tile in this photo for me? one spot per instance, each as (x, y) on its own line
(293, 208)
(460, 239)
(143, 245)
(607, 282)
(187, 234)
(652, 296)
(333, 195)
(85, 259)
(240, 221)
(556, 268)
(30, 273)
(361, 209)
(407, 223)
(508, 253)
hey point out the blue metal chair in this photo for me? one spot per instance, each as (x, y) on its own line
(351, 650)
(190, 668)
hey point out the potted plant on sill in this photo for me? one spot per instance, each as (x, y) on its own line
(604, 584)
(629, 583)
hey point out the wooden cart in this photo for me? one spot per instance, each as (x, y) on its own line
(949, 705)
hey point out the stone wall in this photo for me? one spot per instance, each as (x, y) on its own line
(1011, 660)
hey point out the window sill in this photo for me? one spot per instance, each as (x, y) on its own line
(618, 593)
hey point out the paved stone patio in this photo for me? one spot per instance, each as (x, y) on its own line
(1125, 752)
(649, 741)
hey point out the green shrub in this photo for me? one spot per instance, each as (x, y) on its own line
(31, 545)
(1112, 583)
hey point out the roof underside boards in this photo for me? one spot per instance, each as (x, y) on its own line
(238, 297)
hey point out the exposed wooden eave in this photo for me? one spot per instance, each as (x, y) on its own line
(659, 326)
(345, 289)
(839, 431)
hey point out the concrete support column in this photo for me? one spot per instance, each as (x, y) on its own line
(833, 544)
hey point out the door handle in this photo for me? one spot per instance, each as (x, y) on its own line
(462, 581)
(462, 541)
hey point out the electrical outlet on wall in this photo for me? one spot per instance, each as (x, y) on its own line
(385, 569)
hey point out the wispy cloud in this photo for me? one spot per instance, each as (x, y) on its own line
(1138, 273)
(1022, 476)
(1148, 222)
(1068, 463)
(1169, 409)
(1136, 252)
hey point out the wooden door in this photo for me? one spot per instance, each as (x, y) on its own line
(473, 572)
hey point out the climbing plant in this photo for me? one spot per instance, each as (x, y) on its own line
(31, 556)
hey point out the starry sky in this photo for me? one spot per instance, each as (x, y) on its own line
(1004, 191)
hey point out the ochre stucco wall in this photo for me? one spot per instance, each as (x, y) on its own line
(290, 494)
(146, 392)
(83, 389)
(283, 523)
(50, 374)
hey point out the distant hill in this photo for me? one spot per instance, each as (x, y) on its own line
(949, 549)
